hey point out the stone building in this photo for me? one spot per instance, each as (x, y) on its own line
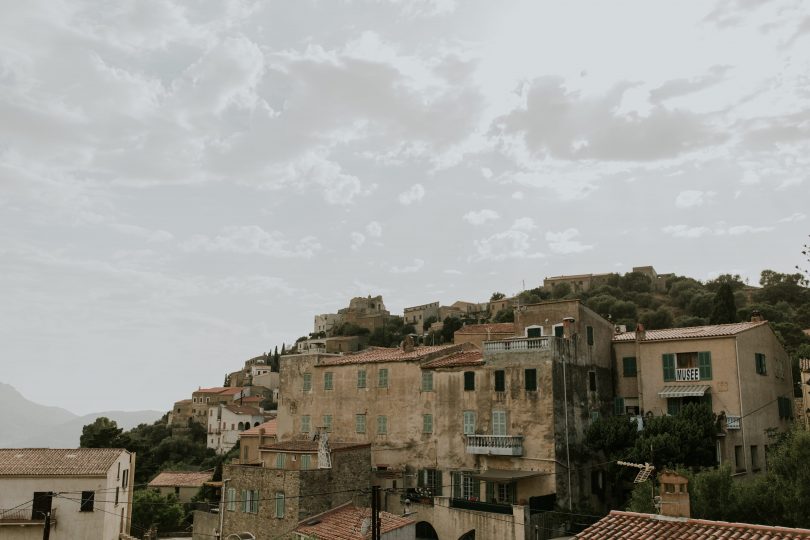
(417, 315)
(86, 491)
(466, 433)
(477, 334)
(365, 312)
(577, 282)
(741, 370)
(181, 413)
(271, 499)
(804, 407)
(350, 522)
(254, 438)
(326, 322)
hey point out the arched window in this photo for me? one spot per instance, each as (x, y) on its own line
(241, 426)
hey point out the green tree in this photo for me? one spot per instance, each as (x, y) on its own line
(149, 508)
(724, 308)
(430, 320)
(504, 315)
(449, 327)
(660, 318)
(641, 498)
(496, 296)
(687, 438)
(102, 433)
(636, 282)
(561, 290)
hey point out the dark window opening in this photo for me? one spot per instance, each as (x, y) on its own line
(469, 380)
(592, 381)
(531, 379)
(589, 333)
(88, 499)
(500, 381)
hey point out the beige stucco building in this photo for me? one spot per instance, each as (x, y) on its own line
(182, 484)
(477, 334)
(466, 431)
(417, 315)
(741, 370)
(254, 438)
(93, 489)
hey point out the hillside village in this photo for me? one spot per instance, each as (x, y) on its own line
(483, 419)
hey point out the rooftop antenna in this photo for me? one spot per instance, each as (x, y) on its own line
(643, 474)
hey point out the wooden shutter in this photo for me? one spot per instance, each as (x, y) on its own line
(618, 406)
(669, 367)
(705, 365)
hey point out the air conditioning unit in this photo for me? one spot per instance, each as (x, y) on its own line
(619, 328)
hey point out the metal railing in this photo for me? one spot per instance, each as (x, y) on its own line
(465, 504)
(23, 515)
(733, 422)
(498, 445)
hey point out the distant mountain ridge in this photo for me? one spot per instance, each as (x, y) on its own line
(29, 424)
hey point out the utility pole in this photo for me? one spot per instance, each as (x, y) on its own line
(46, 530)
(375, 512)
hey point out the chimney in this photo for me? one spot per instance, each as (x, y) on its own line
(407, 344)
(568, 327)
(674, 499)
(756, 316)
(261, 435)
(641, 334)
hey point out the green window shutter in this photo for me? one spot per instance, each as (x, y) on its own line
(456, 485)
(243, 495)
(618, 406)
(437, 489)
(629, 367)
(669, 367)
(705, 365)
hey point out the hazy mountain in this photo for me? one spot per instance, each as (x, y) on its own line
(27, 424)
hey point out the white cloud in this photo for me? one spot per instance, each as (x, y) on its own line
(693, 198)
(563, 242)
(143, 233)
(486, 172)
(750, 178)
(374, 229)
(452, 272)
(252, 239)
(511, 244)
(414, 267)
(790, 182)
(524, 224)
(684, 231)
(746, 229)
(481, 216)
(518, 195)
(415, 194)
(358, 239)
(794, 217)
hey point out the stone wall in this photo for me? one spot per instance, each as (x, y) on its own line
(206, 524)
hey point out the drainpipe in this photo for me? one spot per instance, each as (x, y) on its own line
(742, 413)
(567, 452)
(641, 334)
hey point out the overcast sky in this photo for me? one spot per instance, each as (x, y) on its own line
(183, 188)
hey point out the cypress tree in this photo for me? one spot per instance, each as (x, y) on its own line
(724, 309)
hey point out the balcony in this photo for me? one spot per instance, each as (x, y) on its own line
(480, 506)
(495, 445)
(733, 422)
(22, 517)
(687, 374)
(519, 344)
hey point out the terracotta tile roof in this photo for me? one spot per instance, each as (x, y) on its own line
(243, 409)
(346, 523)
(494, 328)
(632, 526)
(459, 359)
(309, 446)
(270, 428)
(213, 390)
(57, 461)
(181, 479)
(182, 401)
(692, 332)
(231, 390)
(383, 354)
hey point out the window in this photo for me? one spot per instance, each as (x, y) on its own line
(500, 380)
(534, 331)
(250, 501)
(739, 458)
(361, 378)
(125, 479)
(469, 381)
(785, 408)
(360, 423)
(431, 480)
(464, 487)
(592, 381)
(231, 499)
(427, 381)
(327, 422)
(530, 379)
(307, 382)
(427, 423)
(88, 498)
(759, 359)
(306, 462)
(618, 406)
(594, 416)
(499, 422)
(382, 378)
(305, 423)
(327, 380)
(754, 457)
(382, 425)
(116, 496)
(279, 461)
(629, 368)
(589, 334)
(668, 361)
(469, 422)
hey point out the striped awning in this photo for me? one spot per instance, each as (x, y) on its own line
(689, 390)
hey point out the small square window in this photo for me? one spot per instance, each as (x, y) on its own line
(361, 378)
(327, 422)
(360, 423)
(307, 382)
(382, 425)
(327, 380)
(382, 378)
(305, 423)
(427, 381)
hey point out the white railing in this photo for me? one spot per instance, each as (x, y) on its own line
(687, 374)
(733, 422)
(518, 344)
(497, 445)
